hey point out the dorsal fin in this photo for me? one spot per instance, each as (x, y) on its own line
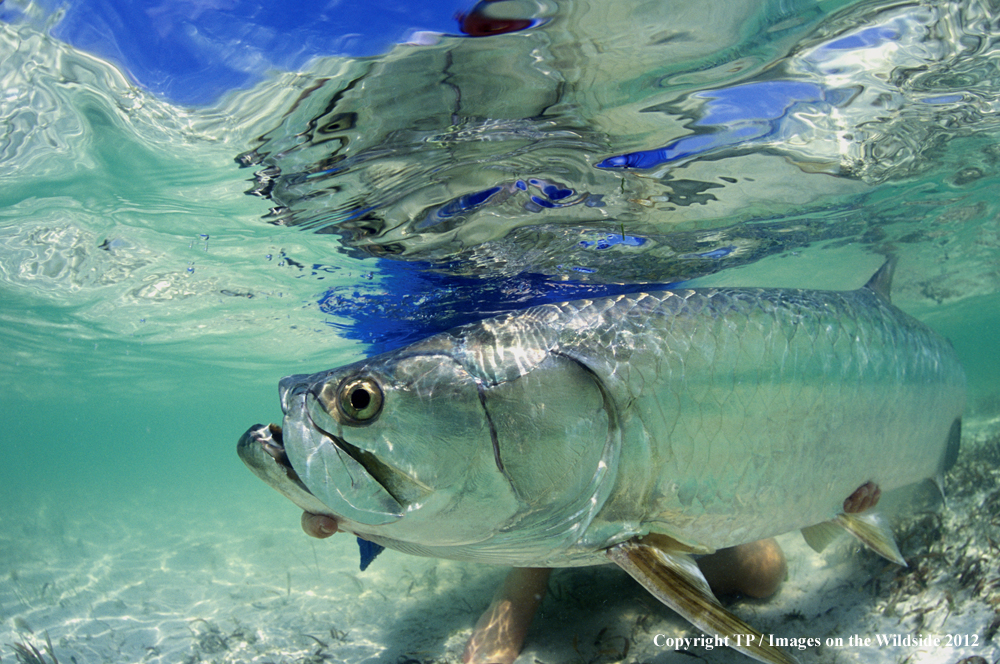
(881, 281)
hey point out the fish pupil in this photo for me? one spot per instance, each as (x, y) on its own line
(360, 399)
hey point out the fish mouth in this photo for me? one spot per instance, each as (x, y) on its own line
(271, 441)
(268, 438)
(262, 449)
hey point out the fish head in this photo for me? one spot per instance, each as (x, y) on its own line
(424, 449)
(396, 440)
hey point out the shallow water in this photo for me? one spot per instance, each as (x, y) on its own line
(149, 304)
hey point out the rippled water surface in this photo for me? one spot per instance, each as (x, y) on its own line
(166, 254)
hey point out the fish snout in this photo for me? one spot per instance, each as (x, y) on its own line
(290, 387)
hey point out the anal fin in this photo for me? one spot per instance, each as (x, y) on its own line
(869, 528)
(674, 579)
(872, 530)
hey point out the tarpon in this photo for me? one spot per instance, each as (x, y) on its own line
(644, 429)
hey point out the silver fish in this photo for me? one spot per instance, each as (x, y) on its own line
(641, 429)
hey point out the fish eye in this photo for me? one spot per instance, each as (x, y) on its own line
(359, 400)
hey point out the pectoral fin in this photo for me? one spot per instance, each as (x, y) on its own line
(674, 579)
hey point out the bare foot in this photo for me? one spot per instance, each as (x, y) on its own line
(755, 569)
(318, 525)
(499, 634)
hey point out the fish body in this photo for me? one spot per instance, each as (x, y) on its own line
(714, 416)
(555, 436)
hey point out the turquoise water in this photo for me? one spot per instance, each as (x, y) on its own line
(149, 305)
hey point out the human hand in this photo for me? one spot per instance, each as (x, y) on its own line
(318, 525)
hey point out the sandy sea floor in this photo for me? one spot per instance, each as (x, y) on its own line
(240, 582)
